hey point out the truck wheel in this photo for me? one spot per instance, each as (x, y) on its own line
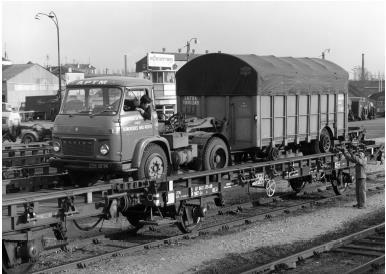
(325, 143)
(154, 163)
(215, 154)
(28, 138)
(83, 179)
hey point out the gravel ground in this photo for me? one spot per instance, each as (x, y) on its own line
(191, 255)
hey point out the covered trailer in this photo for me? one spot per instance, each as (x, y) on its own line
(267, 101)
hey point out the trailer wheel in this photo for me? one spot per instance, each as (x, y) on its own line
(83, 179)
(154, 163)
(325, 143)
(340, 184)
(28, 138)
(297, 184)
(215, 155)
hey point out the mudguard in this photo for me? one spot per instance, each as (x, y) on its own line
(142, 144)
(30, 131)
(201, 138)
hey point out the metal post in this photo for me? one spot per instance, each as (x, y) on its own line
(187, 51)
(54, 19)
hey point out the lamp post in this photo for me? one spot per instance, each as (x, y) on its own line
(188, 47)
(324, 52)
(54, 19)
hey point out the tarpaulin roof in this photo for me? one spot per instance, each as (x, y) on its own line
(225, 74)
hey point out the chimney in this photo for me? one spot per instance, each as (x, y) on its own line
(125, 60)
(363, 67)
(179, 50)
(163, 50)
(206, 51)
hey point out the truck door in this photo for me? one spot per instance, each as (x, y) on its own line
(133, 125)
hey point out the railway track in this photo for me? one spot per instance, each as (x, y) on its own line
(369, 242)
(114, 246)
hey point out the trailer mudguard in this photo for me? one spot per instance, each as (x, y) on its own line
(141, 145)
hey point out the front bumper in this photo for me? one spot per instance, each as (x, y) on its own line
(86, 165)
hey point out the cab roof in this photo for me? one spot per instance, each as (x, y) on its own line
(111, 81)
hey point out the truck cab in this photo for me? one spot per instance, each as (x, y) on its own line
(100, 130)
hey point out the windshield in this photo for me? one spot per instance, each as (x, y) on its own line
(92, 100)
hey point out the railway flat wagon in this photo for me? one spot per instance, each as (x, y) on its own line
(267, 102)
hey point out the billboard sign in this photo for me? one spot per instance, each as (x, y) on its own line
(160, 60)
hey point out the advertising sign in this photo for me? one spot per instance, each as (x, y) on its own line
(160, 60)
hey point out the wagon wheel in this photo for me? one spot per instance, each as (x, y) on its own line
(340, 184)
(270, 186)
(24, 267)
(21, 268)
(297, 185)
(188, 217)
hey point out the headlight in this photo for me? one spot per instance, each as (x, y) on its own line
(56, 146)
(104, 149)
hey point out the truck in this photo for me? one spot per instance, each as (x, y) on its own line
(233, 108)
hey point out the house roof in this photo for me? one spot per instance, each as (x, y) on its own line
(179, 56)
(80, 66)
(65, 69)
(10, 71)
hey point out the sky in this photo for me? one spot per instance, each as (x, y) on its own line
(103, 32)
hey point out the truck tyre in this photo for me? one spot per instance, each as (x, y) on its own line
(215, 155)
(325, 143)
(28, 138)
(154, 163)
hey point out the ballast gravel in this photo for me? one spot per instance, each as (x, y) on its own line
(277, 231)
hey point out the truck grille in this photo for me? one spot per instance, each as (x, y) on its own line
(78, 147)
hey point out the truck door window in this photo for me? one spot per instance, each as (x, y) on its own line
(132, 98)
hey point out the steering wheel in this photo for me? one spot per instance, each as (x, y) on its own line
(176, 122)
(162, 117)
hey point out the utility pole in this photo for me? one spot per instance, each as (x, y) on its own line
(363, 67)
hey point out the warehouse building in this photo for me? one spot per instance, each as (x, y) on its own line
(22, 80)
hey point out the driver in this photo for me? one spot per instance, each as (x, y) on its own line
(144, 107)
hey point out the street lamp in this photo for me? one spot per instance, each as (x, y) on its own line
(188, 47)
(54, 19)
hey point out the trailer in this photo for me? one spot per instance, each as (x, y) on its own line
(269, 103)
